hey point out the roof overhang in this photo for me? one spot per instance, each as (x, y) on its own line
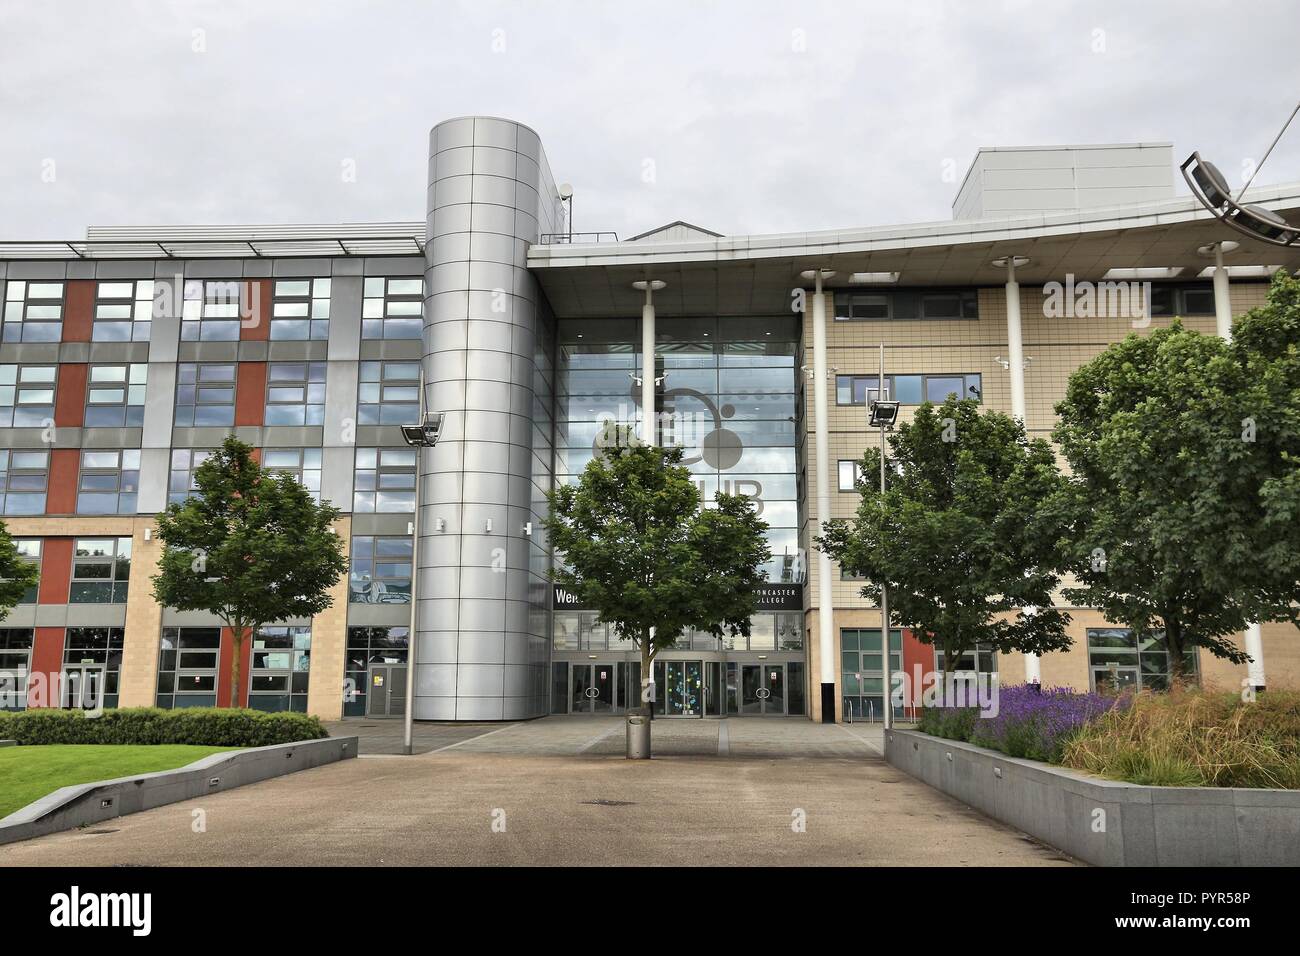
(755, 275)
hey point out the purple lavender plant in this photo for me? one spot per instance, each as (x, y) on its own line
(1036, 722)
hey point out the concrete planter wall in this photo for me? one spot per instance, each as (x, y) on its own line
(86, 803)
(1107, 822)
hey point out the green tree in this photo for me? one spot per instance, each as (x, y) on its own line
(639, 548)
(17, 575)
(249, 547)
(1184, 503)
(959, 536)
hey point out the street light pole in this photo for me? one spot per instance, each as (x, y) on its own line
(413, 635)
(887, 707)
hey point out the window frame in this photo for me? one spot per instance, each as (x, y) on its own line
(379, 470)
(196, 384)
(315, 305)
(312, 384)
(375, 373)
(393, 588)
(8, 471)
(139, 305)
(17, 381)
(18, 318)
(127, 485)
(379, 315)
(133, 388)
(118, 564)
(869, 383)
(205, 306)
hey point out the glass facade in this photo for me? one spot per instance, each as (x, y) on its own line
(728, 396)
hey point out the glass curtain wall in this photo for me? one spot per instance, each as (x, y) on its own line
(728, 399)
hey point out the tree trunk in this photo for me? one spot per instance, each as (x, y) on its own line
(1175, 641)
(237, 644)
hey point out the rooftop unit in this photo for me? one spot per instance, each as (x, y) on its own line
(1010, 181)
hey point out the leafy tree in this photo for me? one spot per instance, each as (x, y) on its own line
(249, 547)
(1184, 504)
(959, 536)
(17, 575)
(639, 548)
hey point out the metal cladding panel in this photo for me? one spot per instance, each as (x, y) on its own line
(482, 314)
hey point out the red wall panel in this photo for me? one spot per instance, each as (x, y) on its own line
(70, 396)
(79, 310)
(61, 499)
(56, 571)
(47, 660)
(257, 328)
(917, 658)
(250, 393)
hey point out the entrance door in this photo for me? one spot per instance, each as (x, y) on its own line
(1108, 680)
(684, 689)
(386, 690)
(762, 690)
(591, 689)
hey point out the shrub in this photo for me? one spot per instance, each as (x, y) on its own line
(209, 726)
(952, 723)
(1035, 723)
(1200, 738)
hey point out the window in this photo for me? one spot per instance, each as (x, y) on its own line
(391, 309)
(212, 310)
(205, 395)
(281, 662)
(27, 396)
(101, 568)
(187, 667)
(295, 393)
(1116, 660)
(380, 570)
(302, 463)
(1182, 300)
(388, 393)
(33, 311)
(384, 480)
(906, 304)
(29, 550)
(366, 646)
(15, 662)
(92, 664)
(908, 389)
(982, 660)
(850, 475)
(862, 677)
(109, 482)
(116, 396)
(180, 480)
(301, 309)
(23, 478)
(123, 311)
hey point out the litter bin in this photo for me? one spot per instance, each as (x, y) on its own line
(638, 735)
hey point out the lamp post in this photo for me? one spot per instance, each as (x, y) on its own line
(649, 430)
(883, 414)
(420, 436)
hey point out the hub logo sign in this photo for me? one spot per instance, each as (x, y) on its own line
(77, 909)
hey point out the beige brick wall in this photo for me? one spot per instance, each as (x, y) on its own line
(1056, 347)
(329, 644)
(140, 645)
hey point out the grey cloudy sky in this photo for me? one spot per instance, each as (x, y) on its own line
(754, 116)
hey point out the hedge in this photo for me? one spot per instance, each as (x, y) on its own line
(209, 726)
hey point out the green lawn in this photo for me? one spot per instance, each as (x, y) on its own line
(29, 773)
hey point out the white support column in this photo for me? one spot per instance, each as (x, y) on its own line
(649, 433)
(826, 657)
(1016, 366)
(1223, 325)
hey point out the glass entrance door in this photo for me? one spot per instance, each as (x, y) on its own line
(684, 689)
(591, 689)
(762, 689)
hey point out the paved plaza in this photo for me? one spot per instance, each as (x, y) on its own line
(557, 791)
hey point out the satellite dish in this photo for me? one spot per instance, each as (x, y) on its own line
(566, 191)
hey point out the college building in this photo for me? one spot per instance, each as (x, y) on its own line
(127, 356)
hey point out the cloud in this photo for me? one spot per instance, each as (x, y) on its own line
(752, 116)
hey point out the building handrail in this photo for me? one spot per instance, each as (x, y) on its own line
(564, 238)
